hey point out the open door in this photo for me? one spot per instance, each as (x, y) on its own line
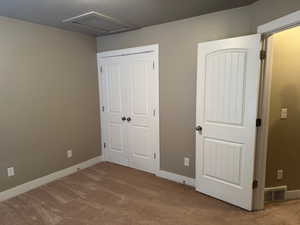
(227, 100)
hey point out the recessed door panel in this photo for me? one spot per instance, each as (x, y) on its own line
(116, 138)
(222, 161)
(140, 88)
(142, 145)
(225, 103)
(114, 88)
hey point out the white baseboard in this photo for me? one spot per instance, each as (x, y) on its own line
(294, 194)
(47, 179)
(176, 178)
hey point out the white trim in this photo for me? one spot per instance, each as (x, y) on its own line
(293, 194)
(130, 51)
(281, 23)
(101, 104)
(284, 187)
(176, 178)
(47, 179)
(262, 135)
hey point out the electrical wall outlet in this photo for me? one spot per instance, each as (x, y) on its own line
(10, 171)
(279, 174)
(186, 162)
(69, 153)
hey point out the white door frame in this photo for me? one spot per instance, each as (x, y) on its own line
(124, 52)
(267, 29)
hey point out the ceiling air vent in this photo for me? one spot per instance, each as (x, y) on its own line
(100, 23)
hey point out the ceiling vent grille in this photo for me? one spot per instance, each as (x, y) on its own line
(100, 23)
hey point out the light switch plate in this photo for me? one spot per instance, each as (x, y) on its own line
(284, 113)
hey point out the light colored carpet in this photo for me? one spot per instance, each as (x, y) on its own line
(108, 194)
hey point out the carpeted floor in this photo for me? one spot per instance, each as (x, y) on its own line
(108, 194)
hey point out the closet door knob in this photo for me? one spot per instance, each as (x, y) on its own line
(123, 118)
(198, 128)
(128, 119)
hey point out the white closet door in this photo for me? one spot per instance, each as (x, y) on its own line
(129, 89)
(141, 112)
(227, 99)
(114, 78)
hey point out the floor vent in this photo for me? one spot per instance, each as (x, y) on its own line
(100, 23)
(275, 194)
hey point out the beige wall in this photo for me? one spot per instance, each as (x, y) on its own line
(48, 87)
(49, 100)
(178, 57)
(178, 45)
(264, 11)
(284, 141)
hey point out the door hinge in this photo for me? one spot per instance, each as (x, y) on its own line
(254, 184)
(153, 65)
(263, 55)
(258, 122)
(101, 69)
(103, 108)
(154, 155)
(104, 145)
(154, 112)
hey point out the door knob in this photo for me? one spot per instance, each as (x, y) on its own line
(128, 119)
(123, 118)
(198, 128)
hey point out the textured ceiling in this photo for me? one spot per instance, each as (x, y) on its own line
(138, 12)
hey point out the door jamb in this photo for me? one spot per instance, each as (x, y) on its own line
(266, 30)
(124, 52)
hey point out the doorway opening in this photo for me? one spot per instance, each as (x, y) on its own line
(282, 137)
(268, 32)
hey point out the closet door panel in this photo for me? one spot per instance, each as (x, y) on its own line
(140, 127)
(115, 71)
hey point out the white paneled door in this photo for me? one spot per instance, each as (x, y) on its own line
(130, 104)
(141, 112)
(114, 76)
(227, 99)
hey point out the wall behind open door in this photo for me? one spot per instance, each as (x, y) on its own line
(284, 142)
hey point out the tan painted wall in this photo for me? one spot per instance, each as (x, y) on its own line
(178, 64)
(48, 87)
(284, 141)
(264, 11)
(178, 45)
(48, 100)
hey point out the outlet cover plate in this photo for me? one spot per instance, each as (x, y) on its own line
(186, 161)
(69, 153)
